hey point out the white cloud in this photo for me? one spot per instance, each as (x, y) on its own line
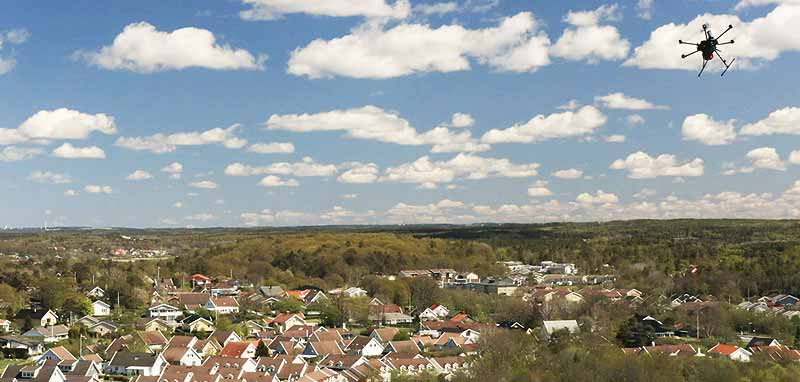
(644, 9)
(782, 121)
(462, 120)
(68, 151)
(350, 196)
(308, 167)
(373, 123)
(71, 193)
(640, 165)
(15, 154)
(177, 204)
(142, 48)
(274, 181)
(634, 120)
(590, 41)
(538, 191)
(49, 177)
(616, 138)
(743, 4)
(599, 197)
(428, 173)
(372, 51)
(360, 173)
(160, 143)
(767, 158)
(139, 175)
(272, 148)
(205, 184)
(762, 39)
(703, 128)
(14, 36)
(568, 174)
(624, 102)
(202, 217)
(436, 8)
(269, 217)
(276, 9)
(645, 193)
(95, 189)
(66, 124)
(173, 168)
(566, 124)
(794, 157)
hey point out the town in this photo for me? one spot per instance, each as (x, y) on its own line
(144, 322)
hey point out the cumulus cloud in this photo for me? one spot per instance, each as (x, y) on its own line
(269, 217)
(68, 151)
(782, 121)
(640, 165)
(14, 36)
(201, 217)
(539, 191)
(590, 41)
(567, 124)
(436, 8)
(570, 105)
(373, 123)
(142, 48)
(762, 39)
(205, 184)
(634, 120)
(767, 158)
(275, 181)
(462, 120)
(307, 168)
(173, 168)
(373, 51)
(15, 154)
(47, 177)
(161, 143)
(703, 128)
(71, 193)
(58, 124)
(644, 9)
(624, 102)
(616, 138)
(272, 148)
(276, 9)
(139, 175)
(743, 4)
(95, 189)
(360, 173)
(645, 193)
(568, 174)
(794, 157)
(428, 173)
(600, 197)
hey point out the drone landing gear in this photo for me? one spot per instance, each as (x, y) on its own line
(727, 66)
(705, 62)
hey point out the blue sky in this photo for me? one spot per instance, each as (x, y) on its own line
(384, 111)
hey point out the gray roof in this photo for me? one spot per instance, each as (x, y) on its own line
(271, 291)
(130, 359)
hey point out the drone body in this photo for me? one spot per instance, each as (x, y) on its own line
(708, 47)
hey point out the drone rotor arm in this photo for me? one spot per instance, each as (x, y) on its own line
(687, 55)
(726, 31)
(725, 43)
(687, 43)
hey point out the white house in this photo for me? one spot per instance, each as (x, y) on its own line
(184, 356)
(100, 309)
(550, 327)
(96, 292)
(354, 292)
(222, 305)
(434, 312)
(130, 364)
(365, 346)
(165, 311)
(5, 326)
(733, 352)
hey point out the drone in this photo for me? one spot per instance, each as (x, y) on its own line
(708, 47)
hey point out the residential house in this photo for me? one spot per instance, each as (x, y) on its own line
(5, 326)
(284, 321)
(22, 346)
(194, 323)
(762, 342)
(550, 327)
(682, 350)
(434, 312)
(100, 309)
(153, 324)
(166, 312)
(271, 291)
(322, 349)
(239, 350)
(190, 301)
(200, 280)
(63, 358)
(680, 299)
(365, 346)
(222, 305)
(102, 328)
(733, 352)
(130, 364)
(45, 372)
(384, 335)
(155, 341)
(224, 336)
(184, 356)
(407, 347)
(49, 334)
(37, 316)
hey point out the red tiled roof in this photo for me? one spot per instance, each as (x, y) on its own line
(235, 349)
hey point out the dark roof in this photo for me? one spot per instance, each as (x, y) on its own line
(128, 359)
(34, 314)
(759, 341)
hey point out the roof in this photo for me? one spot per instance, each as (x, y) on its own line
(283, 317)
(385, 334)
(33, 313)
(271, 291)
(724, 349)
(198, 276)
(326, 347)
(153, 338)
(131, 359)
(408, 347)
(553, 326)
(175, 354)
(235, 349)
(55, 330)
(63, 354)
(225, 301)
(761, 341)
